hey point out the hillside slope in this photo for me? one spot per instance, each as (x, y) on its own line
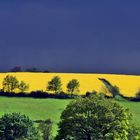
(128, 84)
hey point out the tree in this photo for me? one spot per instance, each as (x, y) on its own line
(46, 129)
(94, 118)
(73, 86)
(138, 94)
(32, 70)
(54, 85)
(23, 86)
(10, 83)
(113, 89)
(46, 71)
(16, 69)
(17, 127)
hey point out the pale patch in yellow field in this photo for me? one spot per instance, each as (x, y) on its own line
(128, 84)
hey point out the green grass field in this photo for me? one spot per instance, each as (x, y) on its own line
(134, 108)
(36, 109)
(42, 109)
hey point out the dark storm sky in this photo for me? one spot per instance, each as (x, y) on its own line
(71, 35)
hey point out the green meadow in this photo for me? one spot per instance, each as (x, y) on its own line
(41, 109)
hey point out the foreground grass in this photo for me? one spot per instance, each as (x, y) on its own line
(41, 109)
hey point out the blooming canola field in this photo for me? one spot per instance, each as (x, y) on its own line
(128, 84)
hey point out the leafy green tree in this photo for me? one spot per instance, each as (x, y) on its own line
(46, 129)
(73, 86)
(10, 83)
(94, 118)
(23, 86)
(17, 127)
(55, 85)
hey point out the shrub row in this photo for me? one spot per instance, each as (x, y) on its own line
(39, 94)
(62, 95)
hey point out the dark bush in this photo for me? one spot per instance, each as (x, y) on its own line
(38, 94)
(88, 93)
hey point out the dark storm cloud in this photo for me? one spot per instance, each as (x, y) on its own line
(71, 36)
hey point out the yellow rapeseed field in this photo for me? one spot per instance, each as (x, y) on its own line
(128, 84)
